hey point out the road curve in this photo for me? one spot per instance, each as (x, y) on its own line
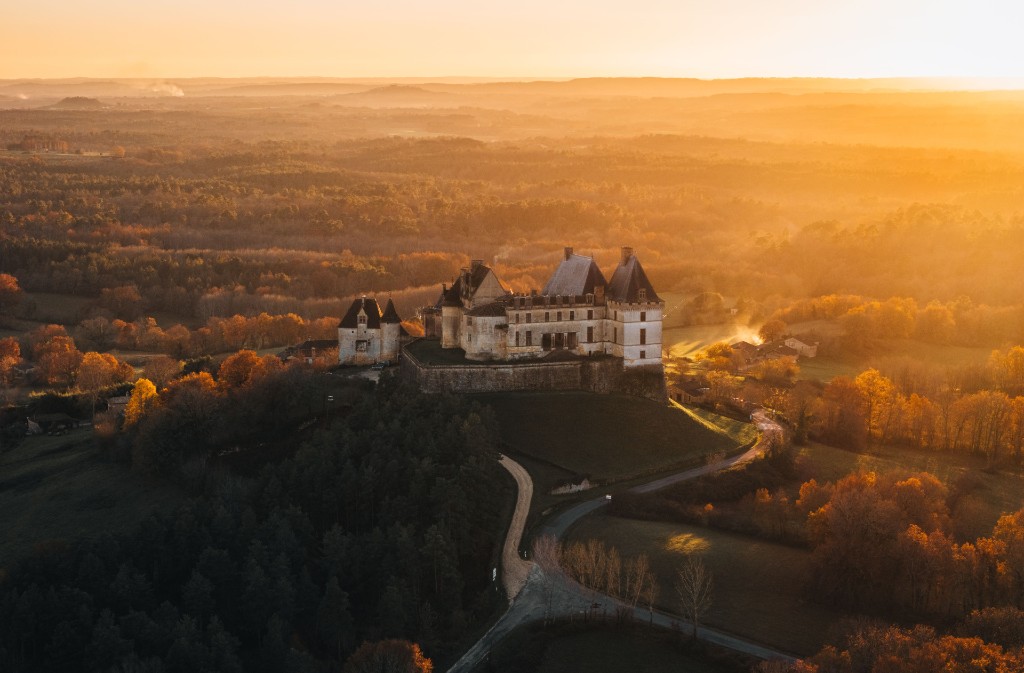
(515, 570)
(539, 597)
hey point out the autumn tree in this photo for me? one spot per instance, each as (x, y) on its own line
(695, 589)
(123, 301)
(10, 293)
(99, 371)
(772, 330)
(161, 370)
(10, 356)
(58, 360)
(143, 399)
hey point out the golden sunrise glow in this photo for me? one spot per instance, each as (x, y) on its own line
(732, 38)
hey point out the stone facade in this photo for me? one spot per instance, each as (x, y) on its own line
(367, 335)
(578, 311)
(599, 374)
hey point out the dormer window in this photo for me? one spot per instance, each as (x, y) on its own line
(590, 298)
(362, 319)
(642, 293)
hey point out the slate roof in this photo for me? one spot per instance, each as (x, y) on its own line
(494, 309)
(627, 281)
(575, 276)
(390, 315)
(453, 295)
(351, 318)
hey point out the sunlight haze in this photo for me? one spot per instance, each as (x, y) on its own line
(909, 38)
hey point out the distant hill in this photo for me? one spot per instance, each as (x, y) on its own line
(77, 103)
(287, 89)
(398, 95)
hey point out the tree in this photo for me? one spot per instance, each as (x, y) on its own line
(772, 330)
(59, 360)
(99, 371)
(10, 355)
(388, 656)
(143, 398)
(10, 293)
(694, 587)
(161, 370)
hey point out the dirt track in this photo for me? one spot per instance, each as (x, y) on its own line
(514, 569)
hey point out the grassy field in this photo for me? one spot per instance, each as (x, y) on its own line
(63, 309)
(758, 584)
(58, 488)
(609, 437)
(599, 648)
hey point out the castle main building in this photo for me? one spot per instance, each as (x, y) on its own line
(577, 312)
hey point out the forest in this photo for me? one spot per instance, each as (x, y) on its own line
(377, 525)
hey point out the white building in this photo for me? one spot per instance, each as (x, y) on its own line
(367, 335)
(577, 312)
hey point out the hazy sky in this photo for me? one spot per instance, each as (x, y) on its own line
(540, 38)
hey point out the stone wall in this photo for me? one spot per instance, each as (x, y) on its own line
(596, 374)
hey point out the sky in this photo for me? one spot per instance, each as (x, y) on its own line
(528, 38)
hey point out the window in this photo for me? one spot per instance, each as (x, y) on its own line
(590, 314)
(517, 338)
(590, 298)
(590, 335)
(572, 315)
(643, 337)
(570, 340)
(362, 319)
(615, 335)
(558, 316)
(642, 294)
(643, 316)
(547, 316)
(529, 337)
(361, 346)
(615, 315)
(545, 342)
(469, 321)
(643, 355)
(529, 319)
(517, 318)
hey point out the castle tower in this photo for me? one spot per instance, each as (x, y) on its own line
(634, 314)
(391, 329)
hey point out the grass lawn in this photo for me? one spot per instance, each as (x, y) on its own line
(598, 648)
(59, 488)
(825, 369)
(609, 437)
(758, 585)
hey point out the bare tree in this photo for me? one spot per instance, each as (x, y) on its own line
(694, 586)
(546, 554)
(649, 593)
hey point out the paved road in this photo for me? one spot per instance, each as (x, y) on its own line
(553, 594)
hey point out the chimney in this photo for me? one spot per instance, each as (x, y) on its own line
(568, 253)
(627, 252)
(476, 264)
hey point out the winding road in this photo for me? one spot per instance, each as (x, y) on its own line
(535, 595)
